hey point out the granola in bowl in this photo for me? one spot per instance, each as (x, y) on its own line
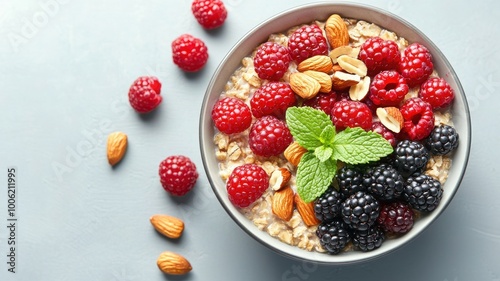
(295, 207)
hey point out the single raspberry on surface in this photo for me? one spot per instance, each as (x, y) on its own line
(379, 128)
(269, 136)
(416, 64)
(418, 118)
(144, 94)
(396, 217)
(246, 184)
(437, 92)
(231, 115)
(178, 174)
(388, 88)
(307, 41)
(210, 14)
(351, 114)
(271, 61)
(272, 99)
(323, 101)
(379, 54)
(189, 53)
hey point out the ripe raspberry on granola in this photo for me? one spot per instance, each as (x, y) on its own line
(272, 99)
(307, 41)
(351, 114)
(189, 53)
(210, 14)
(271, 61)
(231, 115)
(418, 118)
(269, 136)
(437, 92)
(379, 54)
(246, 184)
(144, 94)
(416, 64)
(388, 88)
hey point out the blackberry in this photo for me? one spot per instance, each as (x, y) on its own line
(350, 180)
(410, 157)
(396, 217)
(368, 240)
(423, 192)
(333, 236)
(442, 140)
(385, 182)
(360, 210)
(327, 206)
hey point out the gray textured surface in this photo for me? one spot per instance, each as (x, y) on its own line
(65, 69)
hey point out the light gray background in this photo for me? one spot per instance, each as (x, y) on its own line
(65, 69)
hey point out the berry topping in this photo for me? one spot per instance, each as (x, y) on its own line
(322, 101)
(360, 210)
(327, 206)
(307, 41)
(437, 92)
(379, 54)
(368, 240)
(442, 140)
(396, 217)
(144, 94)
(388, 88)
(351, 114)
(379, 128)
(271, 61)
(350, 180)
(231, 115)
(178, 174)
(418, 118)
(333, 236)
(209, 13)
(416, 64)
(189, 53)
(246, 184)
(269, 136)
(272, 99)
(423, 192)
(385, 182)
(410, 157)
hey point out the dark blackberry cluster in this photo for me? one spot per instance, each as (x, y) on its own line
(410, 157)
(423, 192)
(384, 182)
(368, 240)
(350, 180)
(360, 210)
(327, 206)
(442, 140)
(333, 236)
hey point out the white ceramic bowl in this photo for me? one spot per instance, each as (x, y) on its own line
(303, 15)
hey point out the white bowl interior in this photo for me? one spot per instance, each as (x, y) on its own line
(306, 14)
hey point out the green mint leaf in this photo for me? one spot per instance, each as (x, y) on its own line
(323, 153)
(357, 146)
(314, 176)
(306, 125)
(327, 135)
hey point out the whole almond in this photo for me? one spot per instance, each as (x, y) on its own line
(169, 226)
(342, 80)
(336, 31)
(306, 211)
(320, 63)
(391, 118)
(282, 205)
(293, 153)
(173, 264)
(324, 80)
(304, 85)
(116, 147)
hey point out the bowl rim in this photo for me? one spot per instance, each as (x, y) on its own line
(366, 256)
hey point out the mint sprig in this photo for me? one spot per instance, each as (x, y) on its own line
(314, 131)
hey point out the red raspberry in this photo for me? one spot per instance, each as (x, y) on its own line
(388, 88)
(379, 128)
(307, 41)
(231, 115)
(351, 114)
(379, 54)
(396, 217)
(437, 92)
(271, 61)
(144, 94)
(209, 13)
(189, 53)
(418, 118)
(178, 174)
(416, 64)
(272, 99)
(269, 136)
(323, 101)
(246, 184)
